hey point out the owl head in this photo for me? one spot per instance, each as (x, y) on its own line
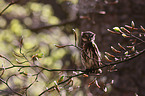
(88, 36)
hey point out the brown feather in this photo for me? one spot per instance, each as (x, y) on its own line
(91, 57)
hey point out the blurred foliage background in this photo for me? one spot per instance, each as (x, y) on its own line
(17, 22)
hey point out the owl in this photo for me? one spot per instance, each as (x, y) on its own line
(90, 54)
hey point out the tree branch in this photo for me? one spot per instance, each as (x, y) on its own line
(60, 83)
(50, 26)
(9, 87)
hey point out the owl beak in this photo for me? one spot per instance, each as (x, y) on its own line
(84, 39)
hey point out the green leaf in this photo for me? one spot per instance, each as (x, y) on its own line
(60, 79)
(116, 29)
(40, 55)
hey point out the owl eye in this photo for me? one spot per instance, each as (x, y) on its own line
(86, 35)
(91, 35)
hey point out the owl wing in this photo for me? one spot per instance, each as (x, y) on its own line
(85, 55)
(97, 53)
(90, 56)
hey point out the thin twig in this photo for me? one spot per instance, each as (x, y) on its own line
(11, 3)
(22, 66)
(138, 38)
(7, 59)
(61, 83)
(9, 87)
(114, 63)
